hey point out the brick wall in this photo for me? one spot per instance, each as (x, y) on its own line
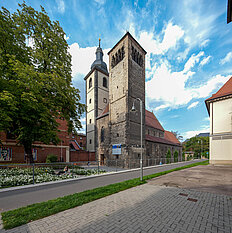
(81, 156)
(17, 151)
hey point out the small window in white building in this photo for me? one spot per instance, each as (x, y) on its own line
(104, 82)
(90, 121)
(105, 100)
(90, 82)
(90, 101)
(90, 141)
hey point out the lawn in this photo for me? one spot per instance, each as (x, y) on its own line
(23, 215)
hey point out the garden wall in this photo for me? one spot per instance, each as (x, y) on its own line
(82, 156)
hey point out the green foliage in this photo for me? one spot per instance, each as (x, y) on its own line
(199, 145)
(23, 215)
(183, 156)
(168, 156)
(51, 158)
(35, 85)
(177, 135)
(176, 154)
(87, 172)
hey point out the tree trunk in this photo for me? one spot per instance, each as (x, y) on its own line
(28, 152)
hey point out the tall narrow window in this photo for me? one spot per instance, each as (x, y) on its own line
(90, 141)
(102, 134)
(90, 83)
(90, 121)
(105, 82)
(90, 101)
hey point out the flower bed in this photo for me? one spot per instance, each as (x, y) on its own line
(23, 176)
(87, 172)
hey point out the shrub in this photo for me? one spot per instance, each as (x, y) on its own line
(183, 156)
(176, 154)
(168, 156)
(51, 158)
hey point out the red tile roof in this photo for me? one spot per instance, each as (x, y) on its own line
(161, 140)
(105, 111)
(225, 90)
(152, 121)
(76, 147)
(171, 137)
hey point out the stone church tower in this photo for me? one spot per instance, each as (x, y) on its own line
(97, 96)
(126, 82)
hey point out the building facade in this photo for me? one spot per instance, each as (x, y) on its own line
(219, 107)
(115, 132)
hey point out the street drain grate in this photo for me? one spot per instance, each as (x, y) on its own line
(183, 194)
(191, 199)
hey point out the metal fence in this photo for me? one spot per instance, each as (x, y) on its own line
(22, 174)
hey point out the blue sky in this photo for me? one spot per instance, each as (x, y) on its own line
(188, 44)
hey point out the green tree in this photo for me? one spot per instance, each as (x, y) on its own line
(176, 154)
(183, 156)
(199, 145)
(36, 84)
(168, 156)
(177, 135)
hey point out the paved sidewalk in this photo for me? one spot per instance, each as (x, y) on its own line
(145, 208)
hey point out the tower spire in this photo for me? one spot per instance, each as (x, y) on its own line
(99, 58)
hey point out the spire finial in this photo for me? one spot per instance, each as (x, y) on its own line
(99, 42)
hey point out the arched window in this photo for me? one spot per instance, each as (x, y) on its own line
(102, 134)
(90, 83)
(105, 82)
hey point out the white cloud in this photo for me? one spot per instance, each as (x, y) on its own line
(30, 42)
(193, 133)
(205, 61)
(83, 123)
(206, 119)
(163, 106)
(193, 105)
(226, 59)
(172, 34)
(170, 87)
(61, 6)
(66, 37)
(205, 43)
(198, 24)
(192, 61)
(182, 55)
(82, 58)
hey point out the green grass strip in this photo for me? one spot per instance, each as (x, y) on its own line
(23, 215)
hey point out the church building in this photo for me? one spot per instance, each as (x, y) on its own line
(113, 131)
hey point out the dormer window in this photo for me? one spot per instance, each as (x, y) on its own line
(90, 82)
(105, 82)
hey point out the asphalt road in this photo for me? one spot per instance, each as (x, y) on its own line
(13, 199)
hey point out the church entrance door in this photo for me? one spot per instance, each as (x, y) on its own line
(102, 159)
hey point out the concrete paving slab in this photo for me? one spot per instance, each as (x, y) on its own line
(145, 208)
(213, 179)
